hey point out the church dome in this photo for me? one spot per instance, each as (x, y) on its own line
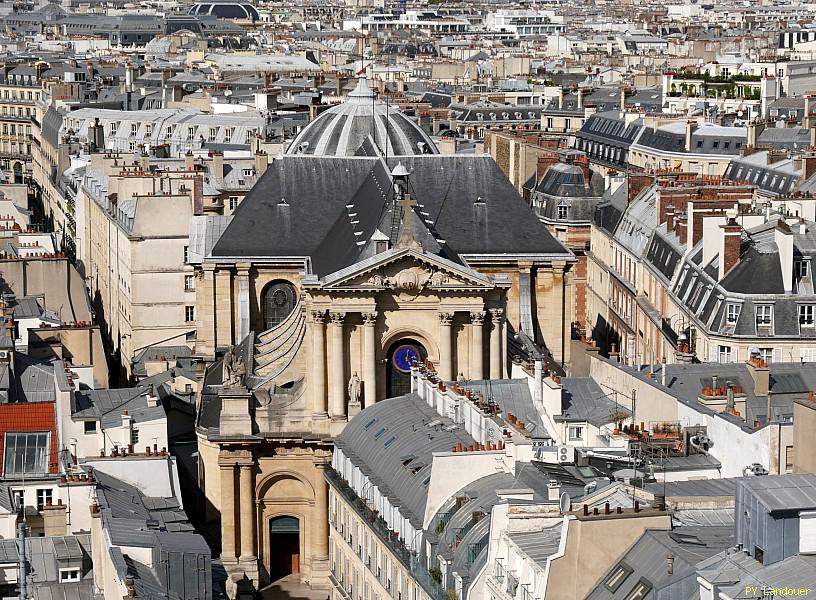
(342, 129)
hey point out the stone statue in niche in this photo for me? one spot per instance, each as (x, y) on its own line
(354, 388)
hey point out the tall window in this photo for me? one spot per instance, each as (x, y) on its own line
(43, 498)
(800, 268)
(764, 315)
(189, 284)
(766, 354)
(279, 299)
(134, 128)
(733, 312)
(806, 315)
(26, 454)
(189, 314)
(233, 202)
(724, 354)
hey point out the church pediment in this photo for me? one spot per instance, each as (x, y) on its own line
(406, 271)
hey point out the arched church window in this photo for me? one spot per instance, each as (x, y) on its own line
(279, 300)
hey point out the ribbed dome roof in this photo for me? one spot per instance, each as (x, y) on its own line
(341, 130)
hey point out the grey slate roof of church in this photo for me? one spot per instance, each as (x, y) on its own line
(384, 435)
(313, 220)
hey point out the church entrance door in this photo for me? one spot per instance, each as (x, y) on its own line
(401, 355)
(284, 547)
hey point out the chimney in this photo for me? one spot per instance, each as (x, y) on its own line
(560, 98)
(261, 162)
(218, 164)
(189, 161)
(582, 162)
(670, 218)
(809, 163)
(544, 162)
(580, 98)
(622, 100)
(729, 402)
(637, 183)
(761, 376)
(690, 127)
(680, 228)
(755, 128)
(730, 243)
(152, 397)
(553, 490)
(806, 116)
(783, 236)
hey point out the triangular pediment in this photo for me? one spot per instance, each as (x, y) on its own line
(406, 269)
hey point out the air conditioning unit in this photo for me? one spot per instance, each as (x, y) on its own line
(566, 454)
(4, 354)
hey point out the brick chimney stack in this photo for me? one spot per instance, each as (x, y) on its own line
(729, 246)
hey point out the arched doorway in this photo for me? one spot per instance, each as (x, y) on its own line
(401, 355)
(284, 547)
(18, 172)
(279, 299)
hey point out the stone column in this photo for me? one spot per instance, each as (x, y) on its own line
(247, 511)
(320, 536)
(477, 345)
(227, 465)
(496, 342)
(338, 384)
(369, 359)
(243, 302)
(318, 373)
(445, 368)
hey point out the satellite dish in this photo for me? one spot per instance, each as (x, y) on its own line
(565, 503)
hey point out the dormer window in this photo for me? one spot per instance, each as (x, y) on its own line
(806, 315)
(764, 315)
(801, 269)
(732, 313)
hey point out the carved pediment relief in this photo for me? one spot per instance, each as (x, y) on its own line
(410, 275)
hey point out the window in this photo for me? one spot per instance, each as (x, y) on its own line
(563, 211)
(641, 589)
(90, 426)
(134, 128)
(191, 131)
(134, 436)
(732, 313)
(189, 314)
(213, 134)
(113, 128)
(800, 268)
(69, 575)
(806, 315)
(764, 315)
(617, 577)
(576, 432)
(26, 454)
(724, 354)
(233, 202)
(44, 498)
(228, 134)
(188, 283)
(766, 354)
(168, 132)
(279, 300)
(249, 172)
(149, 129)
(18, 497)
(759, 554)
(186, 254)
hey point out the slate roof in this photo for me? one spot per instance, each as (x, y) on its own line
(317, 191)
(584, 400)
(384, 435)
(512, 396)
(647, 561)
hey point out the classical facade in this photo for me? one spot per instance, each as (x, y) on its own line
(316, 297)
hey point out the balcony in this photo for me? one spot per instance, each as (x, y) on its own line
(410, 561)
